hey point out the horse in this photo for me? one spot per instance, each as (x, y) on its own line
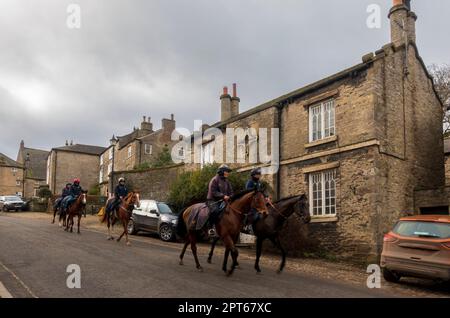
(75, 209)
(123, 214)
(62, 215)
(270, 226)
(228, 227)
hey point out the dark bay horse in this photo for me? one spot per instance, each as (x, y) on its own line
(270, 226)
(62, 216)
(75, 209)
(124, 212)
(228, 227)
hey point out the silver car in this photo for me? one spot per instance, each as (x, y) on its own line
(12, 203)
(155, 217)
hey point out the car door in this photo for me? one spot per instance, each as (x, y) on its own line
(140, 214)
(153, 216)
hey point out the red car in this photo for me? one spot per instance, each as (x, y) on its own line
(418, 246)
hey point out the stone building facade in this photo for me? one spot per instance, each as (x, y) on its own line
(142, 146)
(361, 144)
(73, 161)
(11, 176)
(34, 163)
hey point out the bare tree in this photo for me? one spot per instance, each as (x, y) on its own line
(441, 78)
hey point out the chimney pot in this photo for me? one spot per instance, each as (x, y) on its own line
(398, 2)
(234, 90)
(225, 90)
(171, 117)
(67, 142)
(144, 119)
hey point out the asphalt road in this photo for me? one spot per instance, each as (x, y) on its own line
(34, 256)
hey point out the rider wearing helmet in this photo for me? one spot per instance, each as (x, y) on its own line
(120, 193)
(74, 193)
(219, 192)
(253, 183)
(64, 193)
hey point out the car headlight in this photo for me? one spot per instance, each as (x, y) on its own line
(174, 221)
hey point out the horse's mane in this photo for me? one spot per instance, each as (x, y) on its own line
(240, 194)
(290, 197)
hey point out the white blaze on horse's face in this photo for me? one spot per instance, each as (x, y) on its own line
(84, 198)
(138, 202)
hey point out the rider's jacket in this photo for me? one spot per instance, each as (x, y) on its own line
(121, 191)
(219, 186)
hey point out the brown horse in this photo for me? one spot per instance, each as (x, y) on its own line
(228, 227)
(270, 227)
(75, 209)
(124, 212)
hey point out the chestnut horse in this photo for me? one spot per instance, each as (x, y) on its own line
(124, 212)
(75, 209)
(270, 227)
(228, 227)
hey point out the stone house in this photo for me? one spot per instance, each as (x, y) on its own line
(360, 143)
(11, 176)
(73, 161)
(128, 152)
(34, 162)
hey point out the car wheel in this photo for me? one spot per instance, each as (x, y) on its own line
(166, 233)
(5, 209)
(390, 276)
(131, 228)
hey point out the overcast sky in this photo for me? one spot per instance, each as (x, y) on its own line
(155, 57)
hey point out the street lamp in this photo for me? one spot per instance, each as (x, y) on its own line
(113, 142)
(24, 175)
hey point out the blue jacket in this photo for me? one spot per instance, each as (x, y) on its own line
(65, 192)
(75, 190)
(121, 191)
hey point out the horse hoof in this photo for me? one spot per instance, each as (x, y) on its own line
(209, 261)
(128, 244)
(181, 263)
(229, 273)
(200, 269)
(279, 271)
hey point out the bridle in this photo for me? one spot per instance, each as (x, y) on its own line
(278, 211)
(236, 210)
(131, 195)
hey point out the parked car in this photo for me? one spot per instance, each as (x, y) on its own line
(156, 217)
(418, 246)
(12, 203)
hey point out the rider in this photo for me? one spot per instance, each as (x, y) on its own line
(219, 192)
(120, 193)
(254, 183)
(74, 193)
(65, 192)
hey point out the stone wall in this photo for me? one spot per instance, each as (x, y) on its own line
(152, 183)
(8, 180)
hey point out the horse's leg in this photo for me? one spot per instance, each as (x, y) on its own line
(213, 245)
(125, 230)
(259, 242)
(194, 251)
(54, 215)
(231, 248)
(277, 243)
(71, 223)
(79, 219)
(123, 233)
(184, 248)
(225, 259)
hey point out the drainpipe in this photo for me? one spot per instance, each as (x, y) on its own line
(54, 172)
(278, 177)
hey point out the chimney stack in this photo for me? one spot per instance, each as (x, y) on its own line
(225, 105)
(146, 125)
(403, 22)
(168, 125)
(235, 102)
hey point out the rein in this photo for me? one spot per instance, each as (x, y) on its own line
(278, 211)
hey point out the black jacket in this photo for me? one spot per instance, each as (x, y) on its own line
(75, 190)
(121, 191)
(65, 192)
(218, 188)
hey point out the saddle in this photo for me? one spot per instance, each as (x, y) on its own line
(198, 217)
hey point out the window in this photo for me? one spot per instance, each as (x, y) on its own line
(111, 153)
(181, 153)
(129, 151)
(207, 154)
(101, 160)
(18, 183)
(147, 149)
(14, 170)
(100, 177)
(322, 192)
(322, 121)
(109, 168)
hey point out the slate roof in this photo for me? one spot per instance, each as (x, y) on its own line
(5, 161)
(37, 164)
(84, 149)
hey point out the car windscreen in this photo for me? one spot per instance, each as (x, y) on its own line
(164, 208)
(423, 229)
(13, 199)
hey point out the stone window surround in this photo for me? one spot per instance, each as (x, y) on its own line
(148, 149)
(319, 168)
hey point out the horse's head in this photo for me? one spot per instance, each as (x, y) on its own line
(302, 209)
(259, 201)
(83, 197)
(134, 199)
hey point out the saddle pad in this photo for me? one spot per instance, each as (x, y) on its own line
(199, 216)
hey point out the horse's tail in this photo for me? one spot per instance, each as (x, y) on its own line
(104, 216)
(181, 225)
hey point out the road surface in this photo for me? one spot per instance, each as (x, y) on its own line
(34, 256)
